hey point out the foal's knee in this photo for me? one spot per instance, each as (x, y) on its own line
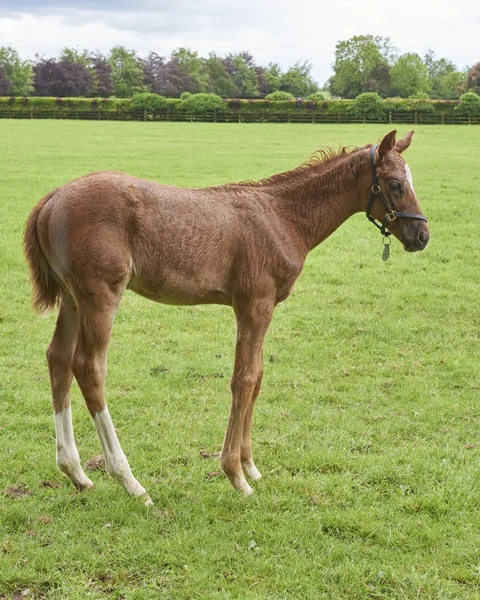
(241, 382)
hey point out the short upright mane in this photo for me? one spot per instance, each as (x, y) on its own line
(322, 159)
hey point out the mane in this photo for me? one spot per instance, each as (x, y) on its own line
(321, 160)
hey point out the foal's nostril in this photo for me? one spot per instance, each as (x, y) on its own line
(423, 238)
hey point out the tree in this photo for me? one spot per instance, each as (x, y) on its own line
(102, 75)
(72, 55)
(128, 72)
(298, 80)
(409, 75)
(166, 77)
(379, 80)
(273, 74)
(17, 72)
(5, 85)
(443, 85)
(473, 78)
(62, 78)
(192, 65)
(220, 80)
(356, 60)
(263, 82)
(241, 67)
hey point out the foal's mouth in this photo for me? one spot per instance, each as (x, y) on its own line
(417, 243)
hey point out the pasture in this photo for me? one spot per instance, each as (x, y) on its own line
(366, 430)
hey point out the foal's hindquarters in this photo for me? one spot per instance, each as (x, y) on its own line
(93, 278)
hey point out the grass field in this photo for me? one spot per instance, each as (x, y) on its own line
(367, 429)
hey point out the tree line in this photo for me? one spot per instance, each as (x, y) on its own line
(368, 63)
(123, 73)
(362, 64)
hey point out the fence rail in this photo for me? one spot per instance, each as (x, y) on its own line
(235, 116)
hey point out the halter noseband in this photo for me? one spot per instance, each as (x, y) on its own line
(391, 212)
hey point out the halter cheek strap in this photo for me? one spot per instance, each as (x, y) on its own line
(391, 212)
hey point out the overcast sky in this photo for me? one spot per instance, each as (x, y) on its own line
(282, 31)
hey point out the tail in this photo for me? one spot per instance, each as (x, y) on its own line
(46, 288)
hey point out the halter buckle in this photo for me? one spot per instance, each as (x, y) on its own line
(375, 188)
(391, 216)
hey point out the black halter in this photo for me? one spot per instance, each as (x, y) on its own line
(391, 212)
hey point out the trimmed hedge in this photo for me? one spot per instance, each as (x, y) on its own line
(279, 95)
(369, 105)
(366, 107)
(469, 105)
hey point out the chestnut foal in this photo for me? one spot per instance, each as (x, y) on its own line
(242, 245)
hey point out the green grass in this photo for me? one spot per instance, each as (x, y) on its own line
(366, 430)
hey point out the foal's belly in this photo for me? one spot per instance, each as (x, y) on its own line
(179, 293)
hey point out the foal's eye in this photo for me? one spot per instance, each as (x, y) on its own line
(394, 185)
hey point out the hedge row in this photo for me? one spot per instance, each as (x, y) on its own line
(369, 106)
(197, 105)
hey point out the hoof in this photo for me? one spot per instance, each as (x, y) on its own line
(247, 490)
(244, 488)
(148, 501)
(84, 484)
(251, 471)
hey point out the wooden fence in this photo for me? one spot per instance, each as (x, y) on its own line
(235, 116)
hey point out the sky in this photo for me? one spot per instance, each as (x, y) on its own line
(282, 31)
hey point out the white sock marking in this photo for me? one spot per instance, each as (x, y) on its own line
(116, 462)
(68, 460)
(408, 175)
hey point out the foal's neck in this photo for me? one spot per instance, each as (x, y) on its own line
(318, 203)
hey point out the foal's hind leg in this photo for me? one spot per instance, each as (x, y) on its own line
(96, 317)
(59, 357)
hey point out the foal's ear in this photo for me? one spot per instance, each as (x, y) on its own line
(386, 146)
(404, 143)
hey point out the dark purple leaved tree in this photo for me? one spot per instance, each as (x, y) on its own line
(5, 85)
(62, 79)
(102, 75)
(166, 77)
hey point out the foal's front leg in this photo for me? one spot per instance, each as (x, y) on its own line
(253, 319)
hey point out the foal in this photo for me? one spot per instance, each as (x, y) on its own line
(242, 245)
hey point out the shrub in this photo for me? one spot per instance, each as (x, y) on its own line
(174, 103)
(198, 104)
(419, 96)
(148, 101)
(316, 98)
(185, 95)
(408, 105)
(469, 105)
(278, 95)
(369, 105)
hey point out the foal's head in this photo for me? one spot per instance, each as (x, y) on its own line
(394, 193)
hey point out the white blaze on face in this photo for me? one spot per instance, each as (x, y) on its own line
(408, 175)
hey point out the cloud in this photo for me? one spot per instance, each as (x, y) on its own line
(273, 31)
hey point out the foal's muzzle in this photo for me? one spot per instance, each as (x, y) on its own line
(418, 241)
